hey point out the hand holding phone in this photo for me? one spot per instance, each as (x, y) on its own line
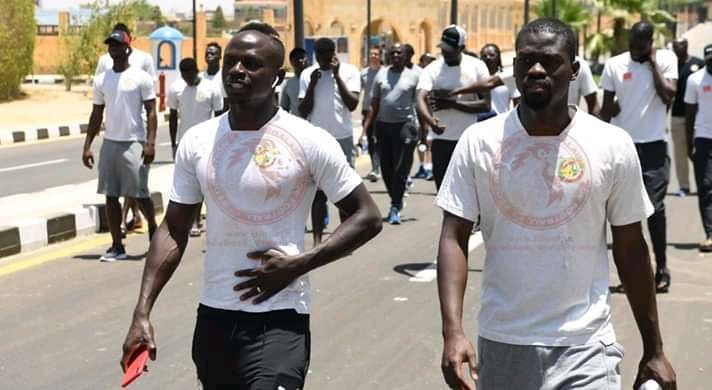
(135, 366)
(335, 65)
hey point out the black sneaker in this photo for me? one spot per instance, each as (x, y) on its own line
(114, 253)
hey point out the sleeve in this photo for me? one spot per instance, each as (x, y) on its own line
(353, 80)
(329, 168)
(482, 71)
(691, 91)
(98, 92)
(148, 91)
(587, 84)
(172, 98)
(217, 99)
(608, 77)
(101, 66)
(628, 201)
(304, 82)
(185, 188)
(458, 192)
(426, 79)
(669, 66)
(148, 66)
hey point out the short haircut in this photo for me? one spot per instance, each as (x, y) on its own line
(122, 27)
(297, 52)
(642, 29)
(408, 48)
(188, 65)
(324, 45)
(554, 26)
(214, 44)
(268, 30)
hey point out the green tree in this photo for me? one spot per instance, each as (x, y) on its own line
(571, 12)
(17, 42)
(219, 19)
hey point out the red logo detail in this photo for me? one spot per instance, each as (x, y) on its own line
(627, 76)
(707, 88)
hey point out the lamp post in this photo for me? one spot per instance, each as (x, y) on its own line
(526, 11)
(299, 23)
(553, 8)
(367, 48)
(453, 11)
(195, 34)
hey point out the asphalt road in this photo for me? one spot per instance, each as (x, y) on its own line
(374, 325)
(40, 165)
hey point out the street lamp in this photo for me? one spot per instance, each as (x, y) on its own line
(368, 30)
(453, 11)
(195, 34)
(553, 8)
(299, 23)
(526, 11)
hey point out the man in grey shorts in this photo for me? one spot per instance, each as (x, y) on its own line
(544, 180)
(128, 148)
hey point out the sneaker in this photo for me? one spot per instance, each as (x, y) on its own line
(373, 176)
(706, 245)
(682, 192)
(429, 175)
(114, 253)
(394, 216)
(135, 224)
(420, 174)
(195, 231)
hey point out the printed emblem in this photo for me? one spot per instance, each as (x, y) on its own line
(258, 178)
(627, 76)
(707, 88)
(694, 68)
(540, 183)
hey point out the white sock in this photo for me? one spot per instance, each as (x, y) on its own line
(428, 166)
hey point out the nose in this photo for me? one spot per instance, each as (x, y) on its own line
(239, 68)
(537, 68)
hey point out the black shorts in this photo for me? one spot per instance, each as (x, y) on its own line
(251, 351)
(655, 164)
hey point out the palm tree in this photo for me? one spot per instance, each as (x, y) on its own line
(571, 12)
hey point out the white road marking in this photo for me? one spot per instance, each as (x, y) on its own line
(429, 273)
(400, 299)
(164, 144)
(37, 164)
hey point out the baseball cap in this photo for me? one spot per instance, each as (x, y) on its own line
(118, 36)
(708, 52)
(453, 36)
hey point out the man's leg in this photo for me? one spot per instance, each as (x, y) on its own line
(441, 154)
(143, 197)
(111, 183)
(386, 154)
(703, 179)
(403, 153)
(212, 352)
(679, 144)
(373, 153)
(113, 219)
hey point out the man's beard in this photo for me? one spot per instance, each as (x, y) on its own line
(536, 102)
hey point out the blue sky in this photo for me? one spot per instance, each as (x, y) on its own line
(167, 6)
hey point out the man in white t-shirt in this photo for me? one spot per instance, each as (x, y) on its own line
(698, 121)
(584, 86)
(643, 80)
(128, 147)
(452, 114)
(257, 167)
(328, 93)
(191, 100)
(213, 55)
(545, 179)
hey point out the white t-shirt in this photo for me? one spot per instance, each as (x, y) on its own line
(215, 78)
(258, 186)
(195, 104)
(643, 114)
(503, 95)
(439, 75)
(330, 112)
(137, 58)
(123, 95)
(699, 91)
(583, 85)
(543, 204)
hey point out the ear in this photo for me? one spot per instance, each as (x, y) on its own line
(575, 66)
(279, 78)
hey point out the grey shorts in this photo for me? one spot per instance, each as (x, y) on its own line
(121, 170)
(347, 146)
(522, 367)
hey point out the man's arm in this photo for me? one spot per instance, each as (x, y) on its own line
(149, 149)
(350, 98)
(306, 104)
(173, 126)
(371, 114)
(690, 115)
(592, 103)
(483, 104)
(630, 254)
(164, 255)
(479, 86)
(95, 119)
(664, 88)
(610, 107)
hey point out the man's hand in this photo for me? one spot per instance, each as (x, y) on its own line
(457, 351)
(658, 368)
(88, 158)
(615, 109)
(335, 66)
(437, 127)
(149, 153)
(140, 333)
(276, 272)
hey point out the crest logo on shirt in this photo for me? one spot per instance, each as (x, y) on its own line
(540, 183)
(627, 76)
(707, 88)
(258, 178)
(694, 68)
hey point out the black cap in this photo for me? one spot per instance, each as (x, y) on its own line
(453, 36)
(118, 36)
(708, 52)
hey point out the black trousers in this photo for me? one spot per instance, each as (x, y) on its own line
(396, 144)
(441, 155)
(236, 350)
(372, 148)
(702, 162)
(655, 164)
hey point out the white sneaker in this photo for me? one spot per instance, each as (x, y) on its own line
(113, 254)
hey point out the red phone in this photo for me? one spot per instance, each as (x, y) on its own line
(136, 365)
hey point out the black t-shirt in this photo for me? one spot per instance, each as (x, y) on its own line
(692, 65)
